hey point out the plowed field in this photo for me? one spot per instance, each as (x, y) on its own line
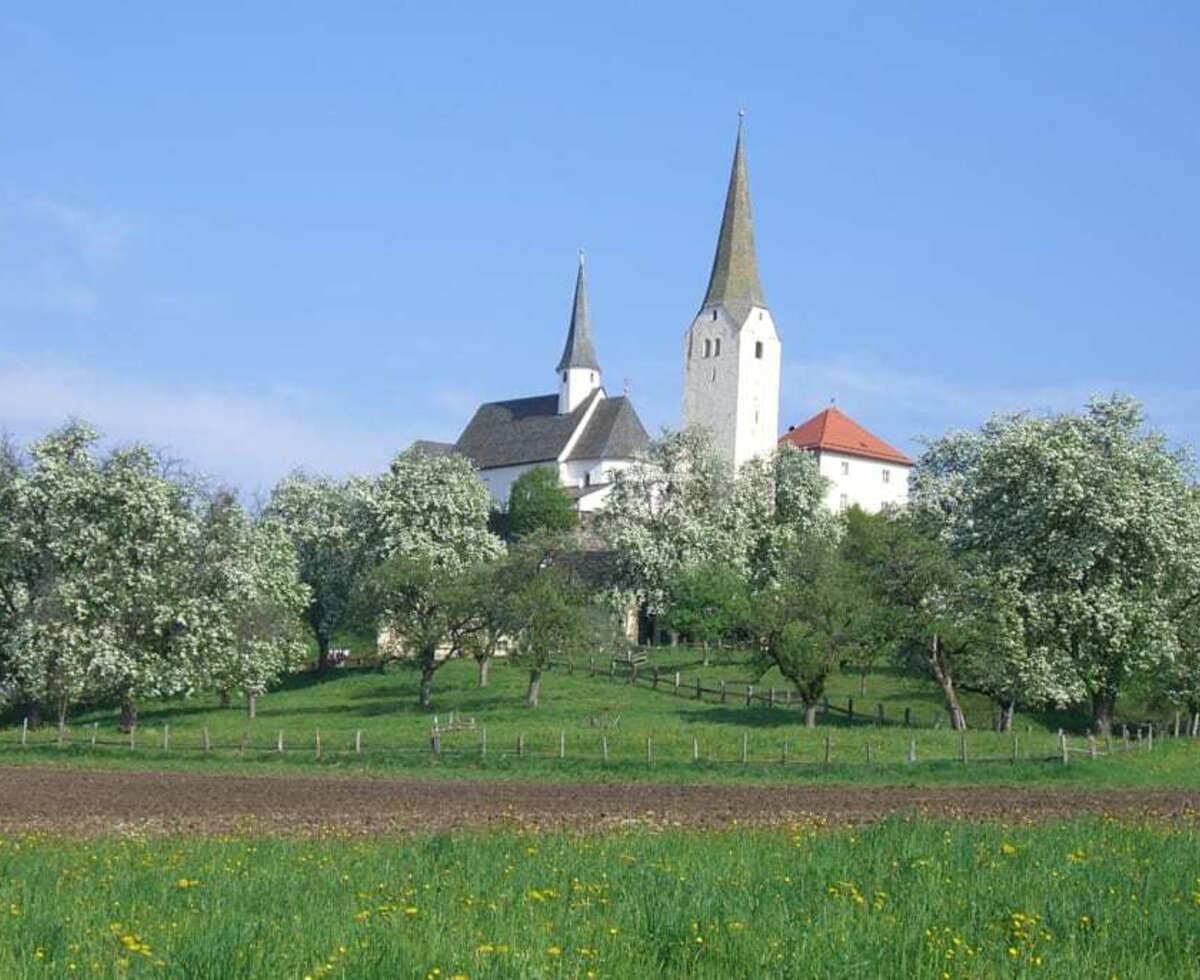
(82, 802)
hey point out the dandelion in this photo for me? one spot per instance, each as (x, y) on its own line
(1007, 849)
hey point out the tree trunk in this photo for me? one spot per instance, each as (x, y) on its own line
(485, 665)
(33, 712)
(252, 705)
(129, 714)
(705, 653)
(1103, 710)
(862, 681)
(322, 653)
(425, 694)
(223, 699)
(1006, 716)
(810, 715)
(535, 688)
(62, 710)
(958, 721)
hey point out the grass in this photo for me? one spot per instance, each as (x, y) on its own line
(900, 899)
(588, 714)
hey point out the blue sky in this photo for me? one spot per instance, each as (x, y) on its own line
(273, 235)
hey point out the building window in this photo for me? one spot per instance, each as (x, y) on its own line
(758, 349)
(593, 377)
(843, 501)
(564, 377)
(717, 347)
(760, 314)
(845, 468)
(887, 476)
(714, 374)
(714, 314)
(587, 479)
(708, 348)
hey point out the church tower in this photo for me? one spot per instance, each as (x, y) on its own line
(732, 352)
(578, 368)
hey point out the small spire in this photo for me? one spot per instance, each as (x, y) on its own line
(578, 351)
(734, 282)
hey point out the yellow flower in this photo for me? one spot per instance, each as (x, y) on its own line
(1013, 952)
(554, 951)
(1007, 849)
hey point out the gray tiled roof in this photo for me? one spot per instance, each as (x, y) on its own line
(431, 448)
(530, 430)
(613, 432)
(734, 283)
(522, 430)
(578, 351)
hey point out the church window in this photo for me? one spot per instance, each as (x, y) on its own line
(564, 377)
(593, 377)
(714, 374)
(844, 501)
(845, 468)
(708, 348)
(587, 479)
(758, 349)
(760, 314)
(887, 476)
(717, 347)
(714, 314)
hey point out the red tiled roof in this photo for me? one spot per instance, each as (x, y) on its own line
(834, 431)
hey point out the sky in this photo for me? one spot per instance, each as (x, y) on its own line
(268, 236)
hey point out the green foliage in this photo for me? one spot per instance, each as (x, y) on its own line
(537, 502)
(707, 603)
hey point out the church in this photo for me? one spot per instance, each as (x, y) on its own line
(732, 359)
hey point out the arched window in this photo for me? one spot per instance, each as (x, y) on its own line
(707, 348)
(717, 347)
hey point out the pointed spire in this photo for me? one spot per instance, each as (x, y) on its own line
(734, 282)
(579, 352)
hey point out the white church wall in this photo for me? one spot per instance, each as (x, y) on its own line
(869, 483)
(499, 481)
(731, 382)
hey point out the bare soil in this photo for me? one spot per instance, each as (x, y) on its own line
(80, 802)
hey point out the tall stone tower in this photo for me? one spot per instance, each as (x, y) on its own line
(732, 352)
(578, 368)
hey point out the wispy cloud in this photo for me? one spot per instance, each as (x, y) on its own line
(909, 407)
(247, 439)
(56, 255)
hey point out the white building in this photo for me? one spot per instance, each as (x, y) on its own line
(579, 432)
(731, 352)
(862, 469)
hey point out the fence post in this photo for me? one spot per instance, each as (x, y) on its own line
(648, 756)
(358, 741)
(317, 745)
(907, 717)
(1139, 738)
(95, 730)
(745, 747)
(826, 750)
(881, 717)
(207, 741)
(722, 692)
(242, 744)
(25, 731)
(562, 744)
(62, 734)
(166, 738)
(785, 751)
(482, 741)
(749, 694)
(1062, 740)
(870, 754)
(521, 744)
(654, 675)
(603, 748)
(1091, 745)
(850, 708)
(912, 750)
(279, 742)
(592, 667)
(771, 698)
(612, 670)
(1016, 748)
(962, 747)
(695, 749)
(133, 738)
(1177, 724)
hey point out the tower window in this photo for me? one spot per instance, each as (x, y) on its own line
(758, 349)
(564, 376)
(717, 347)
(714, 314)
(760, 314)
(708, 348)
(593, 377)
